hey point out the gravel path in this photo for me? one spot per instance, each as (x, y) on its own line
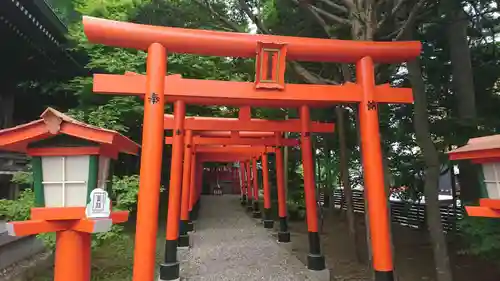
(230, 245)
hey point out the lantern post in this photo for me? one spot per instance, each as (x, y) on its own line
(71, 173)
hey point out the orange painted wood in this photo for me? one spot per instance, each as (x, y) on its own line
(475, 155)
(475, 211)
(224, 157)
(32, 227)
(150, 171)
(490, 203)
(58, 213)
(101, 136)
(72, 256)
(199, 123)
(119, 216)
(230, 44)
(209, 92)
(17, 138)
(228, 134)
(240, 141)
(231, 149)
(84, 225)
(373, 171)
(59, 151)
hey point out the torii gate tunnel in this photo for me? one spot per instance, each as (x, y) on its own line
(269, 89)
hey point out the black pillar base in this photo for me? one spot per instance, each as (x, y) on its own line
(243, 200)
(195, 211)
(284, 237)
(316, 262)
(169, 271)
(384, 275)
(183, 225)
(183, 240)
(268, 223)
(190, 226)
(249, 205)
(256, 212)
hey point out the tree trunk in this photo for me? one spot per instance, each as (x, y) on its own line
(6, 110)
(463, 85)
(344, 176)
(432, 172)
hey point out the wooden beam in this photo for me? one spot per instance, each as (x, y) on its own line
(199, 123)
(32, 227)
(232, 93)
(232, 149)
(485, 212)
(231, 44)
(197, 140)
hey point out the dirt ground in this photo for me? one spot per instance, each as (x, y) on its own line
(413, 253)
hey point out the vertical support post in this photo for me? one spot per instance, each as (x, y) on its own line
(268, 221)
(186, 175)
(192, 189)
(169, 269)
(256, 212)
(72, 261)
(198, 188)
(249, 187)
(315, 260)
(373, 173)
(283, 234)
(243, 183)
(151, 158)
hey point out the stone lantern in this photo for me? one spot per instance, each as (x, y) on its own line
(484, 151)
(71, 170)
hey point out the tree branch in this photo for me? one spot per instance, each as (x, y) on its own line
(229, 24)
(308, 76)
(305, 74)
(338, 7)
(410, 21)
(329, 15)
(255, 19)
(351, 6)
(393, 12)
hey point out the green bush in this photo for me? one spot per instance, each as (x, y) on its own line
(482, 236)
(18, 210)
(123, 190)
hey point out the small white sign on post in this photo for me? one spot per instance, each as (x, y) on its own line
(99, 205)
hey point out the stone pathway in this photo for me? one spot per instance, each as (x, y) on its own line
(230, 245)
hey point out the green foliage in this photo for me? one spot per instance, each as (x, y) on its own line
(482, 236)
(125, 190)
(23, 178)
(19, 209)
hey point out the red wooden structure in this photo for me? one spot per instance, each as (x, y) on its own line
(269, 89)
(72, 226)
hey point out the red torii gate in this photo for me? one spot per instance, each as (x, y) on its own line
(269, 89)
(234, 138)
(255, 137)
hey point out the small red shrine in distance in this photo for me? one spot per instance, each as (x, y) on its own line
(269, 89)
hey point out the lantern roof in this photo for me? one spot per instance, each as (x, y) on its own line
(53, 123)
(481, 148)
